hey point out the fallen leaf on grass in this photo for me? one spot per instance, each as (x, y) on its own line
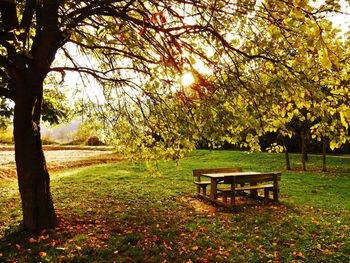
(337, 244)
(43, 238)
(326, 252)
(287, 244)
(52, 243)
(298, 254)
(195, 248)
(168, 247)
(61, 257)
(42, 254)
(33, 240)
(105, 236)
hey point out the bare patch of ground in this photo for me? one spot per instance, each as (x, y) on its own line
(58, 158)
(205, 207)
(199, 206)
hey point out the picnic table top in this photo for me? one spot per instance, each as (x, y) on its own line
(230, 174)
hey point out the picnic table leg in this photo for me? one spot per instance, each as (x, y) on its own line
(266, 194)
(233, 198)
(275, 188)
(213, 188)
(198, 186)
(254, 193)
(233, 192)
(204, 190)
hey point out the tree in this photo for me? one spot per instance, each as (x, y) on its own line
(126, 37)
(132, 43)
(301, 66)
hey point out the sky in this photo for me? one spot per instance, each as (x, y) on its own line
(341, 21)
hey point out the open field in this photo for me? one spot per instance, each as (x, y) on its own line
(58, 157)
(122, 212)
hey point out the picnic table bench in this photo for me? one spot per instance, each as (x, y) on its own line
(238, 182)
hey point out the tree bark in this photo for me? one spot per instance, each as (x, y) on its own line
(324, 153)
(303, 150)
(33, 177)
(286, 153)
(287, 159)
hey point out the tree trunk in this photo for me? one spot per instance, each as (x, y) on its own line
(303, 150)
(33, 177)
(324, 152)
(287, 159)
(286, 153)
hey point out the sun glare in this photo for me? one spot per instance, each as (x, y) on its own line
(187, 79)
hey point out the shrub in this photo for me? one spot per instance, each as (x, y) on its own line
(93, 141)
(46, 140)
(6, 136)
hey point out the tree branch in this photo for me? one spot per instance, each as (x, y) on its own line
(97, 74)
(4, 62)
(9, 14)
(120, 51)
(27, 18)
(4, 76)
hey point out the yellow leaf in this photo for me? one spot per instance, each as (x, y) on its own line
(333, 144)
(343, 120)
(324, 59)
(315, 30)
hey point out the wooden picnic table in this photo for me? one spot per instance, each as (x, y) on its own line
(241, 181)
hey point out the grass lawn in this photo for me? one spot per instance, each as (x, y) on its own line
(123, 213)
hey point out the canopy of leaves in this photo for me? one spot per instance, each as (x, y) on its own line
(274, 66)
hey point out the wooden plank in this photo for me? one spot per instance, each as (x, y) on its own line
(257, 179)
(248, 187)
(203, 183)
(197, 172)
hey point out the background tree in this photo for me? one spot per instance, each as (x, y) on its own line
(281, 88)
